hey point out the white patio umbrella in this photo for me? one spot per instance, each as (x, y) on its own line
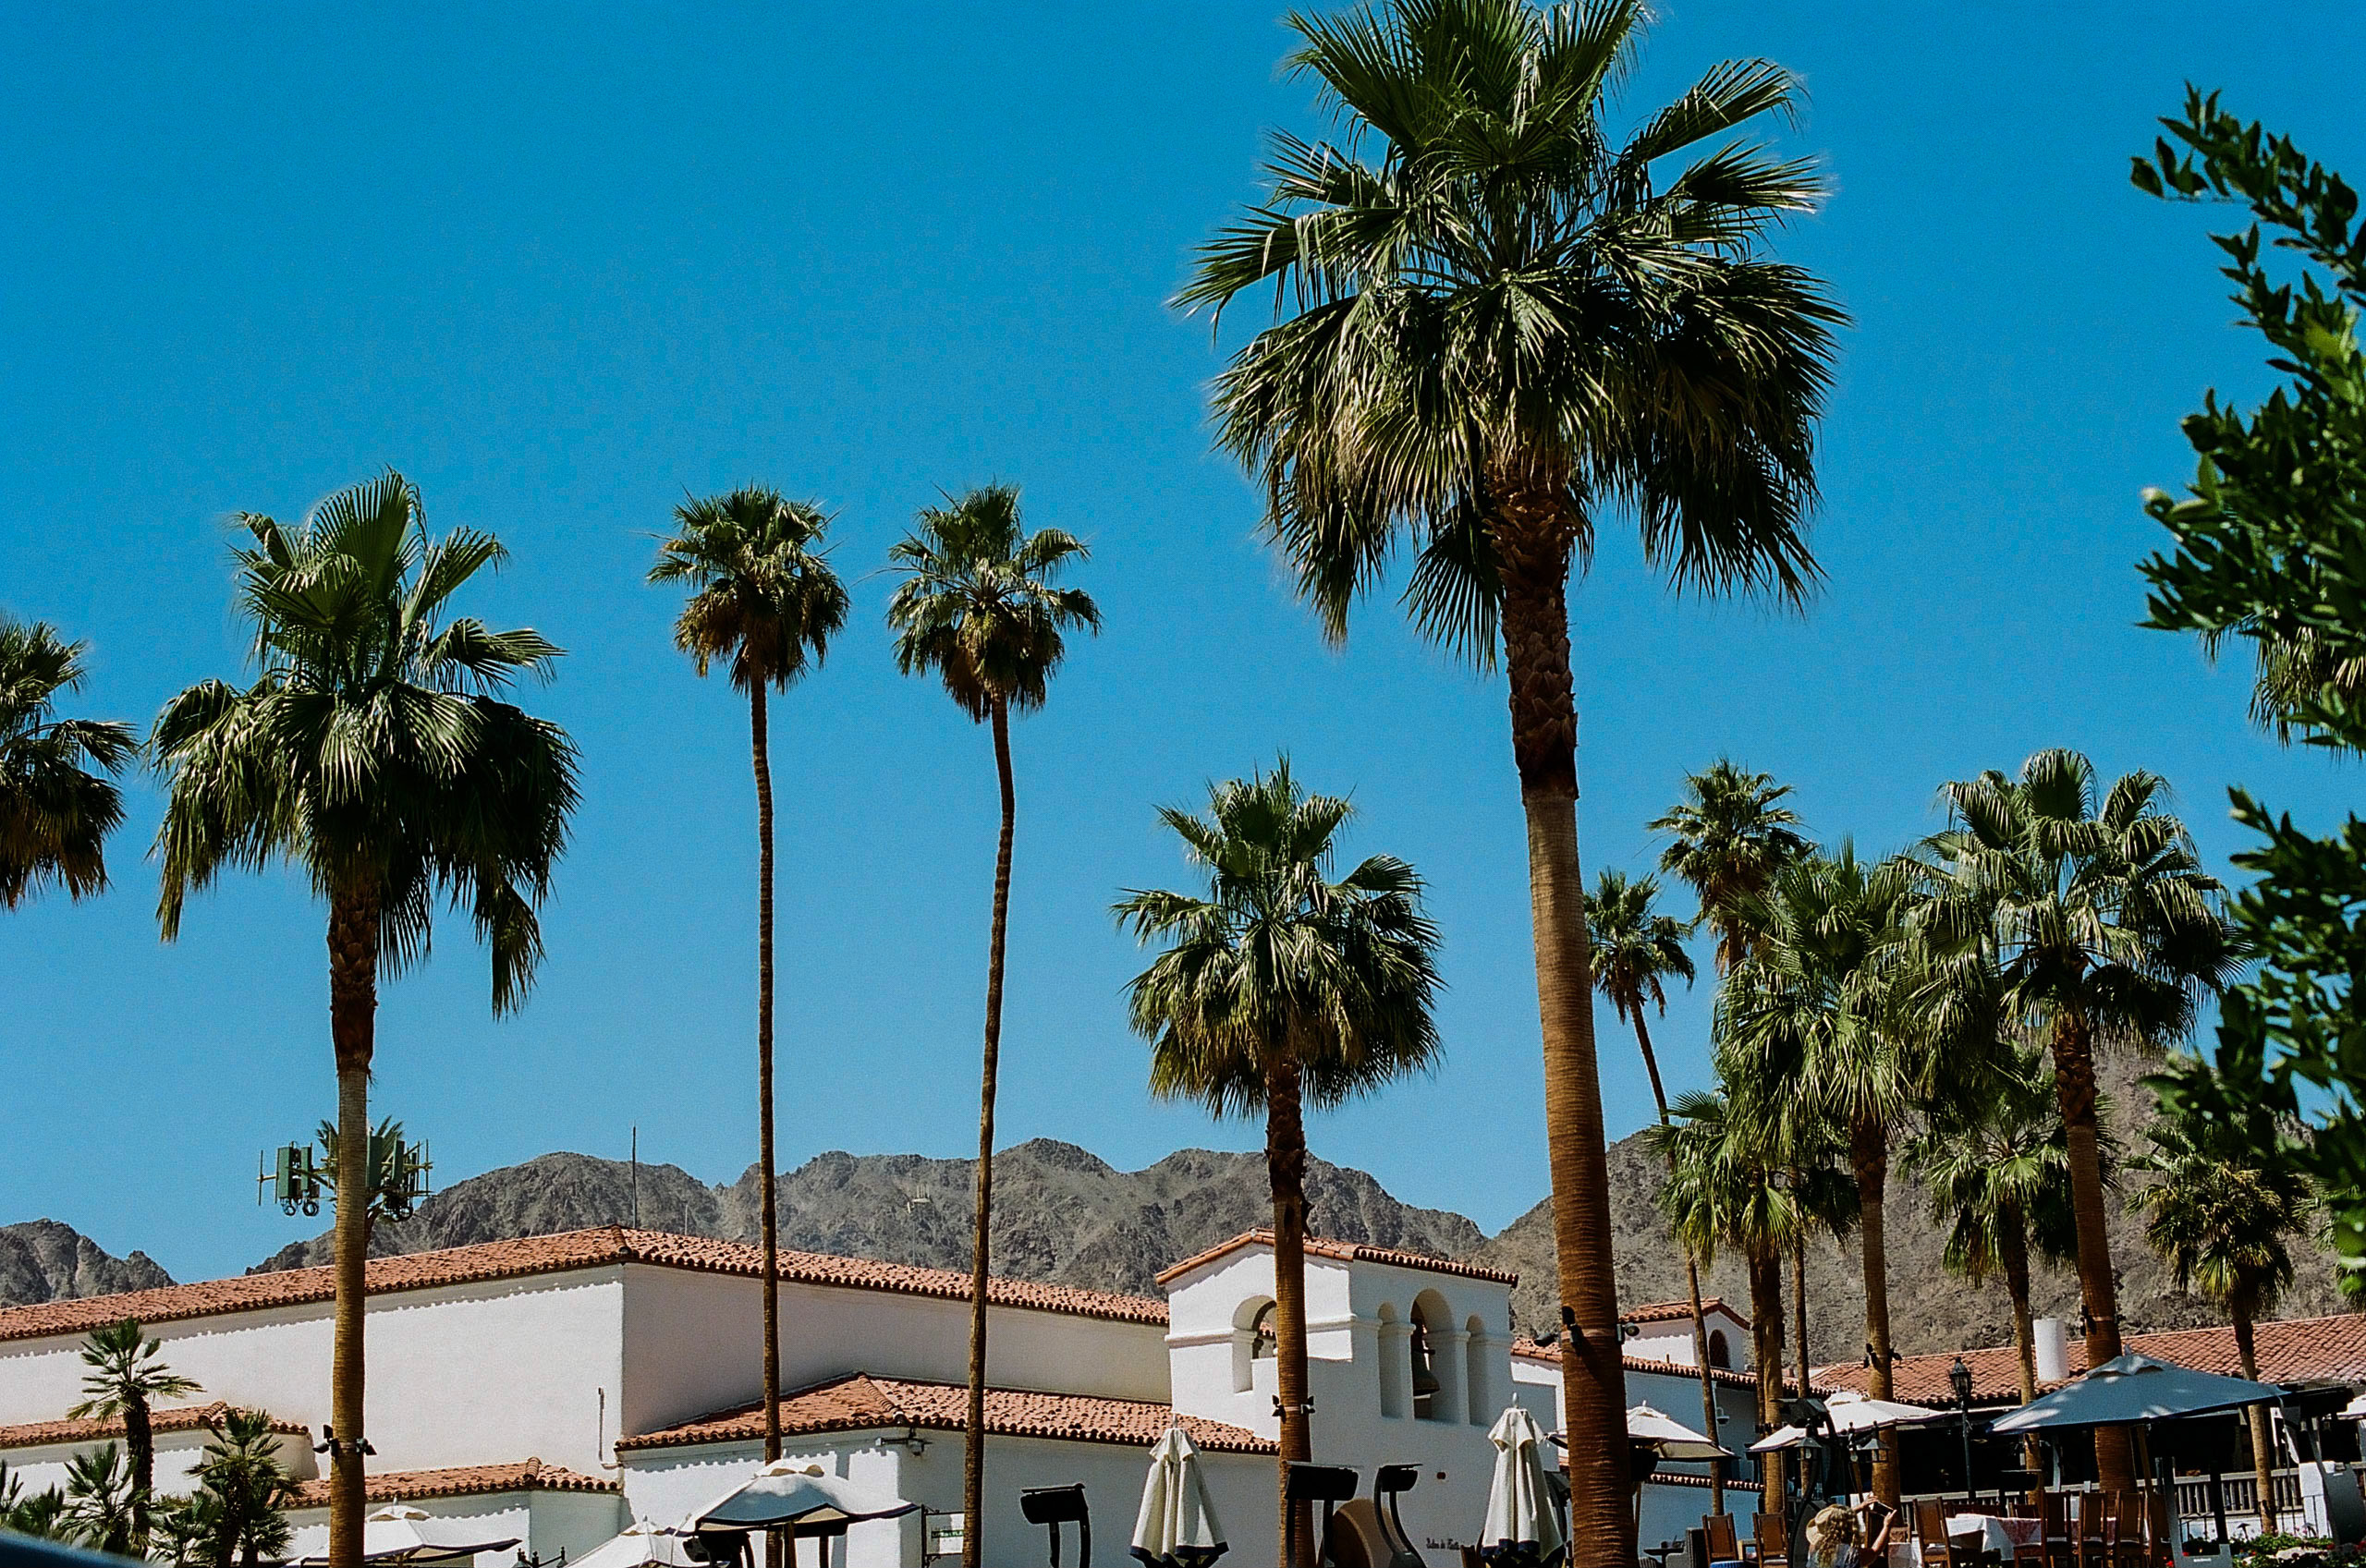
(641, 1544)
(1672, 1437)
(1781, 1437)
(1519, 1499)
(797, 1493)
(1852, 1412)
(393, 1535)
(1177, 1526)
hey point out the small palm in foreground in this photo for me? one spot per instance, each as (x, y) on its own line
(127, 1378)
(1283, 990)
(56, 810)
(980, 609)
(763, 600)
(2228, 1192)
(1636, 951)
(244, 1489)
(372, 754)
(103, 1506)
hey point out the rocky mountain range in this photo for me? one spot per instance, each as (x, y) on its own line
(1064, 1215)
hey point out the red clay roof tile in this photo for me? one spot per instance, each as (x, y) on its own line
(861, 1403)
(464, 1480)
(99, 1429)
(1347, 1252)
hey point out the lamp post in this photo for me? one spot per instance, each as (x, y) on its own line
(1959, 1378)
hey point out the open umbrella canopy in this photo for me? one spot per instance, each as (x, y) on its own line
(638, 1545)
(1780, 1437)
(1177, 1526)
(1851, 1412)
(1670, 1436)
(2131, 1389)
(394, 1535)
(1520, 1525)
(790, 1494)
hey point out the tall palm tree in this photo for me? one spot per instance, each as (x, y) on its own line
(127, 1378)
(1727, 839)
(2106, 931)
(1281, 990)
(1813, 1008)
(1723, 1193)
(764, 599)
(1507, 321)
(980, 608)
(1636, 951)
(56, 808)
(102, 1504)
(1995, 1162)
(372, 753)
(2227, 1193)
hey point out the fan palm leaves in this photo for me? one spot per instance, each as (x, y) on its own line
(103, 1505)
(58, 800)
(373, 752)
(1281, 990)
(1495, 321)
(127, 1377)
(1636, 951)
(2104, 930)
(763, 602)
(244, 1489)
(980, 607)
(1728, 836)
(2230, 1190)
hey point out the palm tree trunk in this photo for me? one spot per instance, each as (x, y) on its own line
(140, 1442)
(353, 1010)
(1869, 1158)
(1767, 1354)
(1799, 1294)
(1532, 533)
(759, 752)
(2013, 1252)
(1286, 1175)
(2074, 1088)
(2262, 1446)
(973, 1442)
(1691, 1280)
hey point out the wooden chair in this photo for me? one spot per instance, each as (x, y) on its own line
(2129, 1547)
(1934, 1550)
(1723, 1547)
(2061, 1549)
(1773, 1551)
(2160, 1544)
(2092, 1530)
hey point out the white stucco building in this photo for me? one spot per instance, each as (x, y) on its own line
(551, 1388)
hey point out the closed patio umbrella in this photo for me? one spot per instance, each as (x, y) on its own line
(1520, 1525)
(1670, 1436)
(2131, 1390)
(1177, 1526)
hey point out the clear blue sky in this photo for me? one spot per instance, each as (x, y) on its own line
(561, 263)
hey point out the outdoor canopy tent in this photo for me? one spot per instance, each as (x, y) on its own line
(789, 1494)
(2132, 1390)
(392, 1535)
(637, 1545)
(1670, 1436)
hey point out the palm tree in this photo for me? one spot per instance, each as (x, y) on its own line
(242, 1479)
(978, 608)
(1281, 990)
(127, 1378)
(55, 811)
(1506, 322)
(2228, 1190)
(1812, 1009)
(183, 1529)
(763, 598)
(103, 1503)
(2106, 931)
(1729, 838)
(40, 1515)
(1721, 1192)
(372, 753)
(1995, 1162)
(1635, 952)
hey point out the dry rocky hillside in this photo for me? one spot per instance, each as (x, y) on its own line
(1065, 1216)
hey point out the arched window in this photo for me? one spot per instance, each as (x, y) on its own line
(1477, 1385)
(1263, 1334)
(1719, 1355)
(1253, 1341)
(1425, 1370)
(1391, 1337)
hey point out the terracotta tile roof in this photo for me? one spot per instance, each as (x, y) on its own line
(183, 1418)
(1670, 1311)
(1346, 1252)
(2298, 1350)
(1550, 1355)
(863, 1403)
(554, 1254)
(466, 1481)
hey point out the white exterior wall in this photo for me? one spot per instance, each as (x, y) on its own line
(514, 1366)
(545, 1522)
(177, 1455)
(693, 1344)
(1671, 1341)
